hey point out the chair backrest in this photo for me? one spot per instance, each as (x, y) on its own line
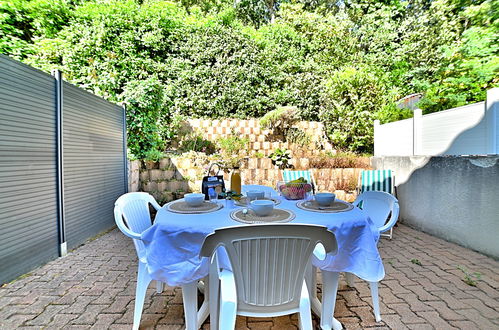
(288, 175)
(268, 261)
(131, 214)
(379, 205)
(247, 187)
(377, 180)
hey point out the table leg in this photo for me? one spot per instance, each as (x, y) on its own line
(329, 290)
(194, 317)
(190, 300)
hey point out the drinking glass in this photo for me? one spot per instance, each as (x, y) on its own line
(212, 195)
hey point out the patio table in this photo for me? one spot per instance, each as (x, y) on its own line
(174, 241)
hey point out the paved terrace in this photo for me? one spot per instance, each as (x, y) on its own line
(93, 288)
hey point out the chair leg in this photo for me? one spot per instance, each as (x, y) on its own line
(159, 286)
(228, 301)
(214, 296)
(305, 316)
(190, 300)
(329, 291)
(350, 279)
(375, 297)
(311, 280)
(143, 280)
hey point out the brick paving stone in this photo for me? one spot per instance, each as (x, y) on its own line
(94, 287)
(119, 305)
(428, 285)
(386, 295)
(260, 325)
(242, 323)
(365, 315)
(15, 320)
(173, 327)
(486, 299)
(464, 325)
(283, 322)
(46, 316)
(444, 311)
(174, 315)
(416, 304)
(474, 315)
(485, 311)
(342, 309)
(350, 322)
(78, 307)
(394, 322)
(61, 320)
(421, 326)
(89, 316)
(435, 320)
(422, 293)
(405, 312)
(351, 298)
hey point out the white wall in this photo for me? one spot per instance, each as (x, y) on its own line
(385, 143)
(452, 197)
(467, 130)
(458, 131)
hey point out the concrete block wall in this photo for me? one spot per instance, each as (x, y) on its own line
(213, 130)
(171, 178)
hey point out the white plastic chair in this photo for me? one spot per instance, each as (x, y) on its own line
(131, 214)
(378, 205)
(268, 265)
(377, 180)
(289, 175)
(247, 187)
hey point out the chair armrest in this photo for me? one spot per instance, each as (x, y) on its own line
(319, 252)
(393, 218)
(154, 204)
(124, 229)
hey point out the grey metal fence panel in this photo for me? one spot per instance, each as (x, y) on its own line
(28, 173)
(93, 158)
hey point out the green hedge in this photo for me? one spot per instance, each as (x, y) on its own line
(345, 66)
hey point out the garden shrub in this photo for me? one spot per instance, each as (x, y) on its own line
(280, 121)
(344, 63)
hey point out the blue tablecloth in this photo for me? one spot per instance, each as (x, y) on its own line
(174, 241)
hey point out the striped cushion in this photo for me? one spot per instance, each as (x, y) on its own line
(378, 180)
(293, 175)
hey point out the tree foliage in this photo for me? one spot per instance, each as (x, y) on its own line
(342, 62)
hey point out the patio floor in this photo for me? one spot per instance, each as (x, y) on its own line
(93, 287)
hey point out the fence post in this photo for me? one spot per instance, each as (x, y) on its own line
(492, 121)
(417, 138)
(125, 148)
(376, 137)
(63, 249)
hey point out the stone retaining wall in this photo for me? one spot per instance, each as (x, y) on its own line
(259, 139)
(171, 178)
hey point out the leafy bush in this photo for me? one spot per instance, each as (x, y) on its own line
(280, 120)
(340, 160)
(233, 149)
(281, 158)
(144, 100)
(233, 145)
(344, 63)
(195, 142)
(153, 155)
(297, 136)
(354, 97)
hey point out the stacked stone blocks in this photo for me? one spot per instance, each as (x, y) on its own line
(171, 178)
